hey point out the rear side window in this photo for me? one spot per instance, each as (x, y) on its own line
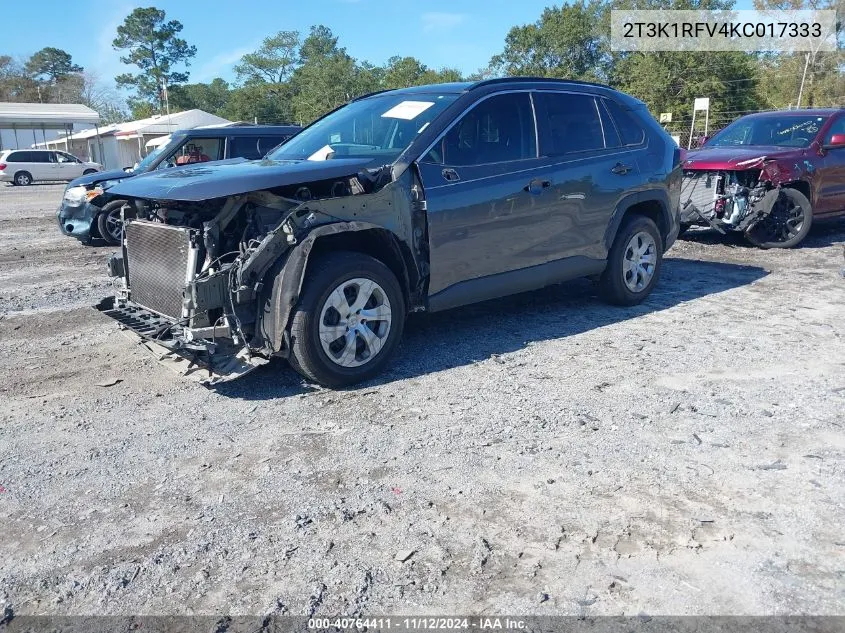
(41, 157)
(244, 147)
(629, 128)
(266, 143)
(18, 157)
(573, 123)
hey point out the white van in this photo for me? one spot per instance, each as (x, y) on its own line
(25, 166)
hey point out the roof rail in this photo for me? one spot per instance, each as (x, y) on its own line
(528, 79)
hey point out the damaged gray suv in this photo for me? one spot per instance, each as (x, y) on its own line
(425, 198)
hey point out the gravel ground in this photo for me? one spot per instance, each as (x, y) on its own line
(544, 454)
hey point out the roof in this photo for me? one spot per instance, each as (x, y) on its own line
(156, 125)
(167, 123)
(800, 111)
(459, 87)
(52, 115)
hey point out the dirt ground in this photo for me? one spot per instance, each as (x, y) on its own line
(544, 454)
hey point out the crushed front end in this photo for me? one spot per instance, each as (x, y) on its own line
(208, 285)
(723, 199)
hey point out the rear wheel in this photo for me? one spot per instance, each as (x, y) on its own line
(348, 321)
(89, 171)
(787, 223)
(634, 261)
(110, 224)
(23, 178)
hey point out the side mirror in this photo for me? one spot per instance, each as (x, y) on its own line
(836, 140)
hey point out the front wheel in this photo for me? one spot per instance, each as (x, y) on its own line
(787, 221)
(348, 321)
(89, 171)
(633, 264)
(110, 223)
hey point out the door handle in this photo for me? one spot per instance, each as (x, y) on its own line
(450, 174)
(621, 169)
(536, 186)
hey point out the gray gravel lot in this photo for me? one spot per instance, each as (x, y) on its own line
(540, 454)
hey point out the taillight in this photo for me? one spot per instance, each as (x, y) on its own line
(2, 166)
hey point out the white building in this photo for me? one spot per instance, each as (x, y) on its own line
(124, 144)
(23, 125)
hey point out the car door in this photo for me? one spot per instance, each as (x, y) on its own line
(68, 166)
(830, 176)
(482, 184)
(44, 165)
(591, 171)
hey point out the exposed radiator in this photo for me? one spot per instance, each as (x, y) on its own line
(158, 258)
(699, 188)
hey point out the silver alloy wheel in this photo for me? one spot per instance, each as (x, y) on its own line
(114, 225)
(23, 179)
(639, 261)
(355, 322)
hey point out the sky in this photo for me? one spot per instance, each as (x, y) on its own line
(463, 34)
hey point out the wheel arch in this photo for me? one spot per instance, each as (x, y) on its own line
(283, 280)
(653, 204)
(22, 171)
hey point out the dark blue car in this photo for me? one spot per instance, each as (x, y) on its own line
(423, 198)
(85, 222)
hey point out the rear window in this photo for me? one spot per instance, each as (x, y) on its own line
(629, 128)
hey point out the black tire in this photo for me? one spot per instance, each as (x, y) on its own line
(325, 275)
(23, 178)
(613, 286)
(109, 223)
(778, 229)
(89, 171)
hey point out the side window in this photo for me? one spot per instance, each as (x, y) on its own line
(66, 158)
(573, 123)
(838, 127)
(266, 143)
(17, 157)
(42, 157)
(197, 150)
(629, 129)
(244, 147)
(498, 129)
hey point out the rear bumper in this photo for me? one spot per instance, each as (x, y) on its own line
(6, 178)
(78, 221)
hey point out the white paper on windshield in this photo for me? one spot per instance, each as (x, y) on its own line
(407, 110)
(322, 153)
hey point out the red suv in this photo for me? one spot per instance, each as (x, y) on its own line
(768, 175)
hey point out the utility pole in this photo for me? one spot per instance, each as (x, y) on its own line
(803, 77)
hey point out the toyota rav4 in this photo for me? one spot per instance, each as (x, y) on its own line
(424, 198)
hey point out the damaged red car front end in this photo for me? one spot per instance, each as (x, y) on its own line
(760, 176)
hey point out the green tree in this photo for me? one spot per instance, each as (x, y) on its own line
(152, 44)
(327, 77)
(566, 42)
(261, 102)
(212, 97)
(409, 71)
(15, 83)
(51, 64)
(274, 61)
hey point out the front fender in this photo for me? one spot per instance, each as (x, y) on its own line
(283, 284)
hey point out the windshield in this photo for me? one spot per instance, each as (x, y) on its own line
(789, 130)
(144, 165)
(379, 128)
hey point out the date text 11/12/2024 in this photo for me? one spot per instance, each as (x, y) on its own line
(417, 624)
